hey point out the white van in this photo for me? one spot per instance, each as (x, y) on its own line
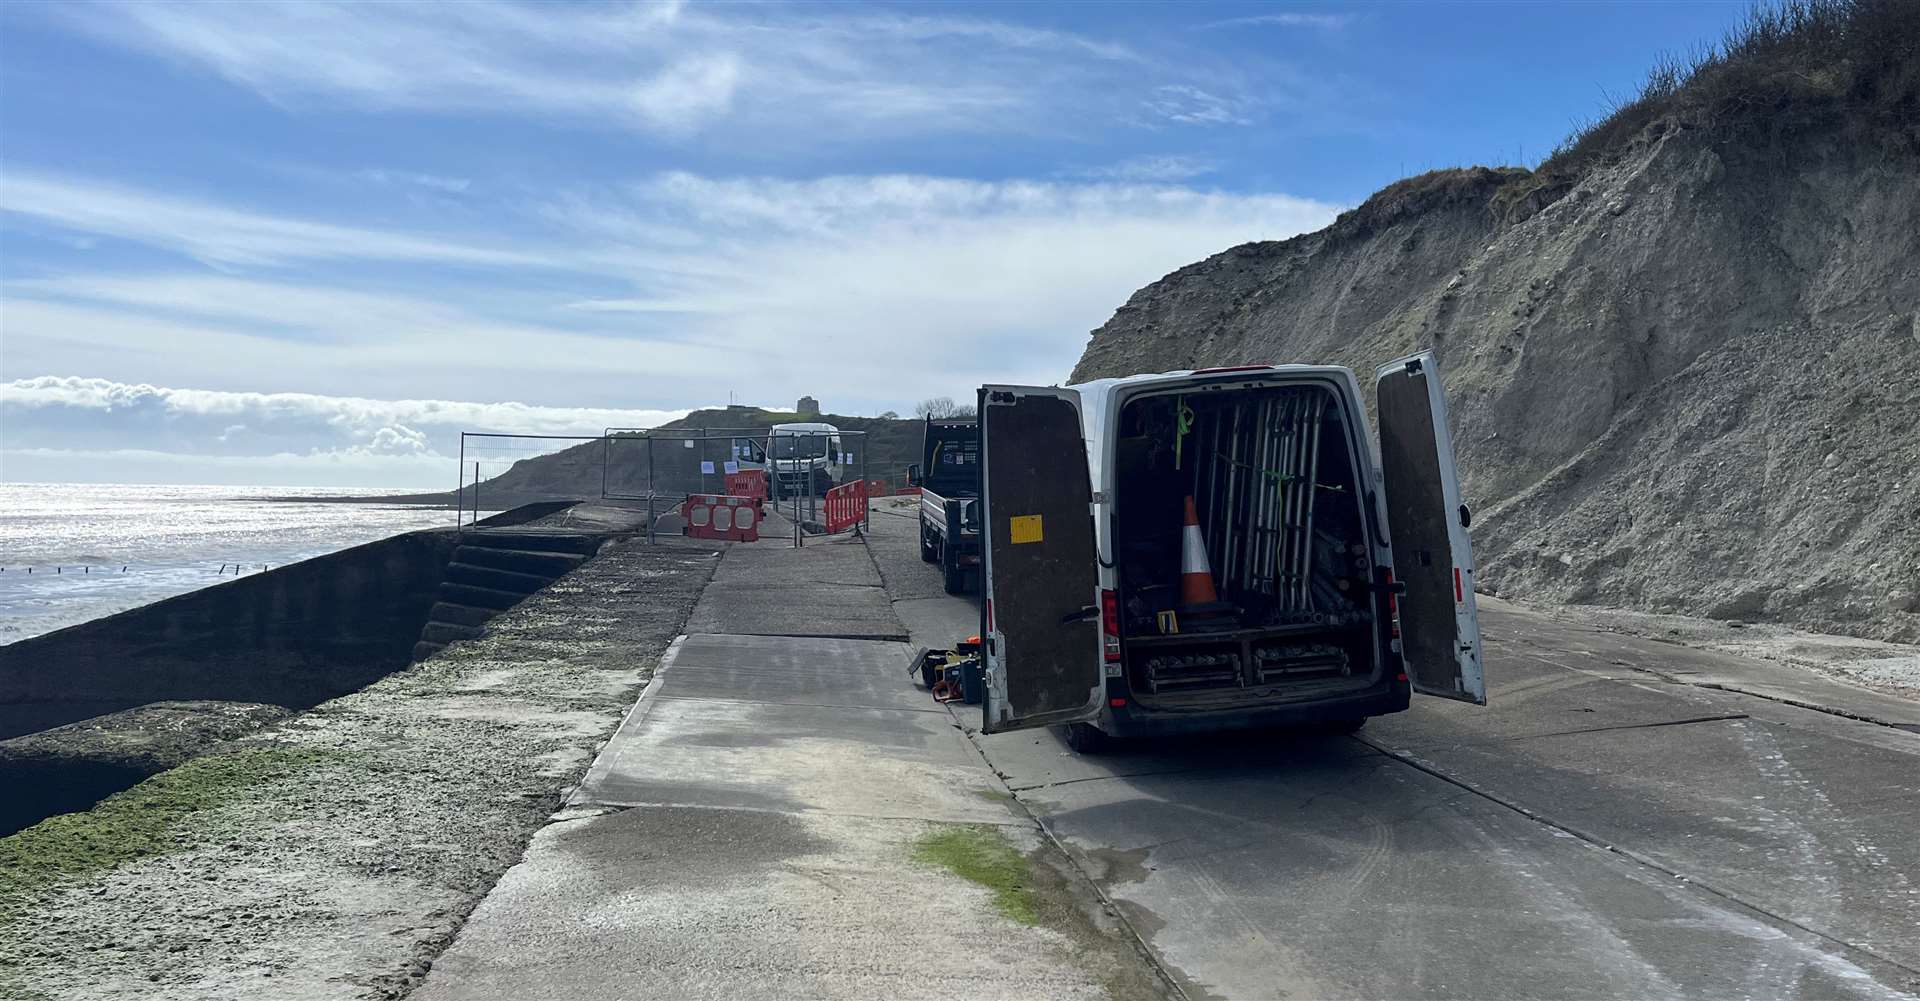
(803, 458)
(1324, 580)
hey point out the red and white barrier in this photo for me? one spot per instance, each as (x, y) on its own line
(721, 516)
(752, 483)
(846, 506)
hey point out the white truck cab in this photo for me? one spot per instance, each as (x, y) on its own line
(1222, 548)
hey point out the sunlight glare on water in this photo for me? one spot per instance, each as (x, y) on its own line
(171, 539)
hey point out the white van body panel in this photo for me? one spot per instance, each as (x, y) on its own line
(798, 468)
(1101, 404)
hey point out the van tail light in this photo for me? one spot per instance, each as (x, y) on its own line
(1110, 625)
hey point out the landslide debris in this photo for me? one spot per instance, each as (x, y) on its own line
(1679, 354)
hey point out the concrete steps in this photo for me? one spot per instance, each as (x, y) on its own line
(498, 580)
(479, 597)
(492, 571)
(464, 615)
(528, 561)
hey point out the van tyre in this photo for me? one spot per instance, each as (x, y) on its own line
(1347, 725)
(1085, 738)
(928, 554)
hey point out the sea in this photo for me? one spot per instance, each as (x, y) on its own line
(71, 552)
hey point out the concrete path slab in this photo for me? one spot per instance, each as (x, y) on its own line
(700, 738)
(1807, 825)
(692, 903)
(828, 588)
(1576, 645)
(937, 623)
(1355, 876)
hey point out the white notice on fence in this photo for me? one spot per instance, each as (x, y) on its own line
(731, 467)
(706, 466)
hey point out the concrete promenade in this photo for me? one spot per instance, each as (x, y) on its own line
(757, 828)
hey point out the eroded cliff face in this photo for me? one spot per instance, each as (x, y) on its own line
(1689, 382)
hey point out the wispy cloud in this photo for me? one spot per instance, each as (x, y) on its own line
(1292, 19)
(663, 68)
(432, 182)
(1152, 169)
(222, 235)
(1190, 105)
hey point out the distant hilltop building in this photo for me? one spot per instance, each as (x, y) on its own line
(808, 406)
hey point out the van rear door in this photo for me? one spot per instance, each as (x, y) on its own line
(1038, 575)
(1426, 523)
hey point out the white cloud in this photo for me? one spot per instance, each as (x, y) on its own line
(924, 285)
(221, 235)
(398, 440)
(868, 292)
(386, 423)
(689, 92)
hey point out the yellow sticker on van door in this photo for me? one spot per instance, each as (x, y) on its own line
(1025, 528)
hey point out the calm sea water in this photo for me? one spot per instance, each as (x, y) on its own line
(170, 539)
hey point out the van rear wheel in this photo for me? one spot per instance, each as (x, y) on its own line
(928, 554)
(1085, 738)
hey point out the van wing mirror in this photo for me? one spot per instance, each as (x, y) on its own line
(913, 475)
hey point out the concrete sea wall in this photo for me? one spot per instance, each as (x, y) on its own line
(293, 636)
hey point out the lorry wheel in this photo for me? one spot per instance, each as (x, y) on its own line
(927, 552)
(1347, 725)
(1085, 738)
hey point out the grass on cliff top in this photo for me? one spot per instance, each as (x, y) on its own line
(983, 855)
(1788, 65)
(152, 818)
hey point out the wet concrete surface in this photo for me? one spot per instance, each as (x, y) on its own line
(1608, 826)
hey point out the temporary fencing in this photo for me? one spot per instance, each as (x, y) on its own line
(655, 465)
(490, 482)
(721, 516)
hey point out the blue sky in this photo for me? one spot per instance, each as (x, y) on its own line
(260, 243)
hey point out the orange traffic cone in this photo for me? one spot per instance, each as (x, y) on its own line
(1196, 577)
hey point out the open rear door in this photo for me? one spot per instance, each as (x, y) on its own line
(1038, 574)
(1432, 557)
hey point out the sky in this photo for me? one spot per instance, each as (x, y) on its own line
(307, 244)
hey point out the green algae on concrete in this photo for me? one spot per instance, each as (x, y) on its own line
(152, 818)
(983, 855)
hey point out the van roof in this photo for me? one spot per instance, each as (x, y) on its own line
(1099, 387)
(803, 426)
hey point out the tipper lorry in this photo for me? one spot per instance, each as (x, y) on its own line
(1253, 556)
(949, 480)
